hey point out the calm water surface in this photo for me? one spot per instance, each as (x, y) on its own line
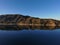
(30, 37)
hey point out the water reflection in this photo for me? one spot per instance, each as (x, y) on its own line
(31, 27)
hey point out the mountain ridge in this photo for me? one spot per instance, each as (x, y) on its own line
(19, 19)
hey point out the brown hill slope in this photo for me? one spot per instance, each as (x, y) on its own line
(17, 19)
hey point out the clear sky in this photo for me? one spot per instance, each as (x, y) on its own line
(35, 8)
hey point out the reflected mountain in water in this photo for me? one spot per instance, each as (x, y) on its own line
(22, 27)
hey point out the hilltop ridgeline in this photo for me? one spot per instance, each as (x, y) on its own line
(18, 19)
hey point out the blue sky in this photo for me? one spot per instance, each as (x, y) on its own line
(35, 8)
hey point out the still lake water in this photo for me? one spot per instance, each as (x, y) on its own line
(30, 37)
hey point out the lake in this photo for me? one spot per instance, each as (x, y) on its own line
(30, 37)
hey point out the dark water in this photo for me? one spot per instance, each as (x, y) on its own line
(30, 37)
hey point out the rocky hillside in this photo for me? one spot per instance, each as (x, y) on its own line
(17, 19)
